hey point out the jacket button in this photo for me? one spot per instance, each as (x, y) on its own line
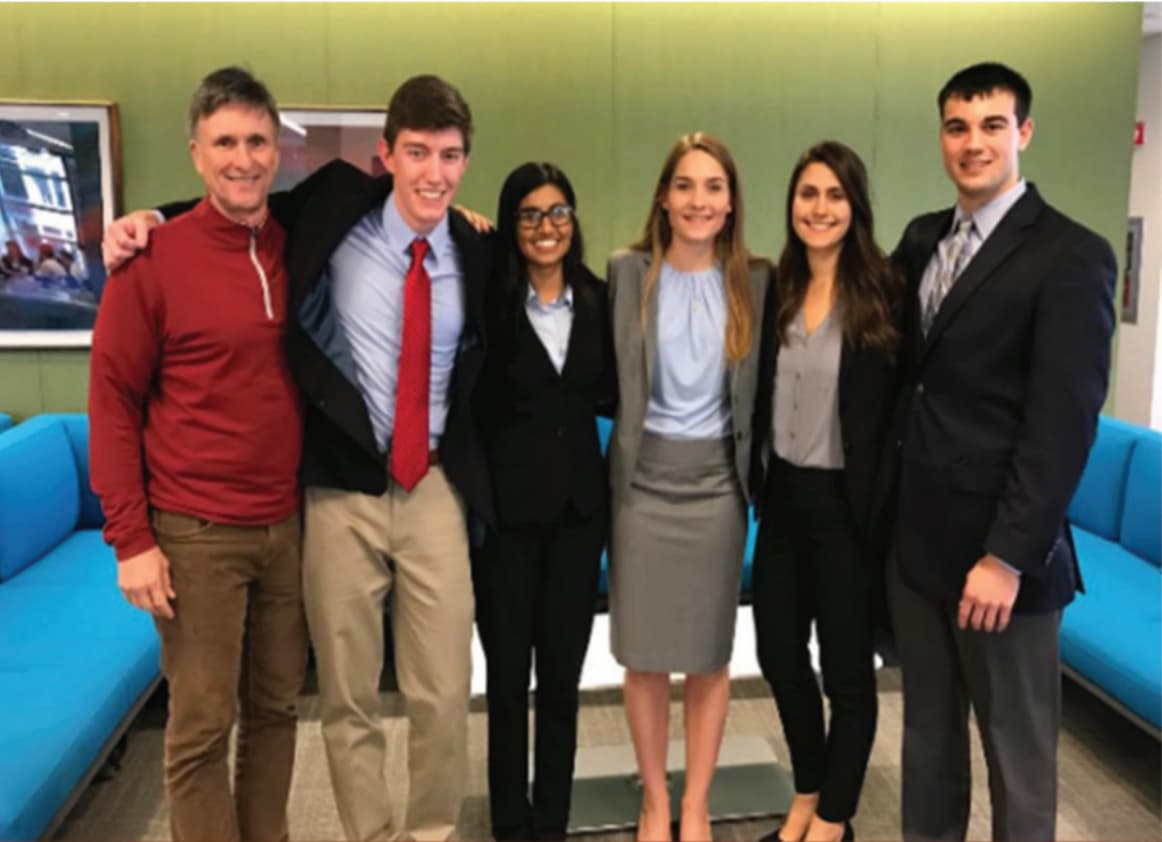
(919, 388)
(560, 432)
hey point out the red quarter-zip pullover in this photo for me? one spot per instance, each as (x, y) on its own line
(192, 408)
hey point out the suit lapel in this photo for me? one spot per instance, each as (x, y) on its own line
(755, 280)
(650, 335)
(351, 206)
(473, 266)
(1007, 236)
(578, 338)
(529, 334)
(925, 249)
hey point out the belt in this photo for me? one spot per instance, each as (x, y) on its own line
(433, 459)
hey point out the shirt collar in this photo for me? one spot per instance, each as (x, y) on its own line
(399, 234)
(989, 216)
(564, 300)
(229, 231)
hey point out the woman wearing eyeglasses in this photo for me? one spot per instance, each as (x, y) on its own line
(684, 300)
(549, 370)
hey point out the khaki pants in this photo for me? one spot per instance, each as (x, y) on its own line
(357, 548)
(236, 649)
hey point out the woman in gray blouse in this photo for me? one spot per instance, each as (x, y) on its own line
(683, 304)
(826, 385)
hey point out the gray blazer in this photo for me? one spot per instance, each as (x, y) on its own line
(635, 366)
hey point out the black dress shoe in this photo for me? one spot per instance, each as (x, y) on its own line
(776, 835)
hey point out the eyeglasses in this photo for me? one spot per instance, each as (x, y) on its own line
(559, 215)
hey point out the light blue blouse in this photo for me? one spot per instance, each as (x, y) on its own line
(690, 394)
(553, 323)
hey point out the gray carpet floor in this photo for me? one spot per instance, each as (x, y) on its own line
(1110, 772)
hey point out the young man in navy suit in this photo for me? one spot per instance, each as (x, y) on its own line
(1008, 319)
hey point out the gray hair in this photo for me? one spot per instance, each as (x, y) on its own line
(230, 86)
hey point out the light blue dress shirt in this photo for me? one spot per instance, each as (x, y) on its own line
(367, 274)
(553, 322)
(984, 222)
(690, 395)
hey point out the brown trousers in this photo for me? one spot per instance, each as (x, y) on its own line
(235, 650)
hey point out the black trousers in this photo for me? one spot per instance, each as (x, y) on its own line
(809, 566)
(536, 591)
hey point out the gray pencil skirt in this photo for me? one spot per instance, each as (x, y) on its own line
(675, 561)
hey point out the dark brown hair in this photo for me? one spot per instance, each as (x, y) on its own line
(426, 103)
(732, 252)
(867, 286)
(982, 80)
(230, 86)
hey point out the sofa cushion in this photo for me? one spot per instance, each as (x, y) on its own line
(76, 426)
(76, 658)
(82, 560)
(1097, 503)
(1110, 634)
(5, 421)
(38, 493)
(604, 428)
(56, 723)
(68, 628)
(1142, 520)
(752, 531)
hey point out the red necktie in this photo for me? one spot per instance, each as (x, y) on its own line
(409, 437)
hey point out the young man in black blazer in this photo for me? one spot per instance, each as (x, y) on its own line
(391, 460)
(1009, 316)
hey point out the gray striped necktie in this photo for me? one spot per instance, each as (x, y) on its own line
(955, 257)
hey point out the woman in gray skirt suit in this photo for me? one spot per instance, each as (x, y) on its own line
(683, 303)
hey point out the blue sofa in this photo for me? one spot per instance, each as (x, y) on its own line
(76, 660)
(1111, 636)
(5, 421)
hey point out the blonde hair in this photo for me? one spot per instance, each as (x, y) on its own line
(731, 250)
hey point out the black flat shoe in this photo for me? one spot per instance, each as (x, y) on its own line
(776, 835)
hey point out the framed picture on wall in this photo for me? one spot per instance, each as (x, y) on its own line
(59, 187)
(310, 137)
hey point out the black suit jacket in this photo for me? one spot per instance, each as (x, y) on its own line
(867, 391)
(339, 449)
(999, 403)
(540, 433)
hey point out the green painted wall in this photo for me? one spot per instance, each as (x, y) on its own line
(603, 89)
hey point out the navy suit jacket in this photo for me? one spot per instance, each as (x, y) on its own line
(999, 403)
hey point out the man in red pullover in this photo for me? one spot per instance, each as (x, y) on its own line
(195, 441)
